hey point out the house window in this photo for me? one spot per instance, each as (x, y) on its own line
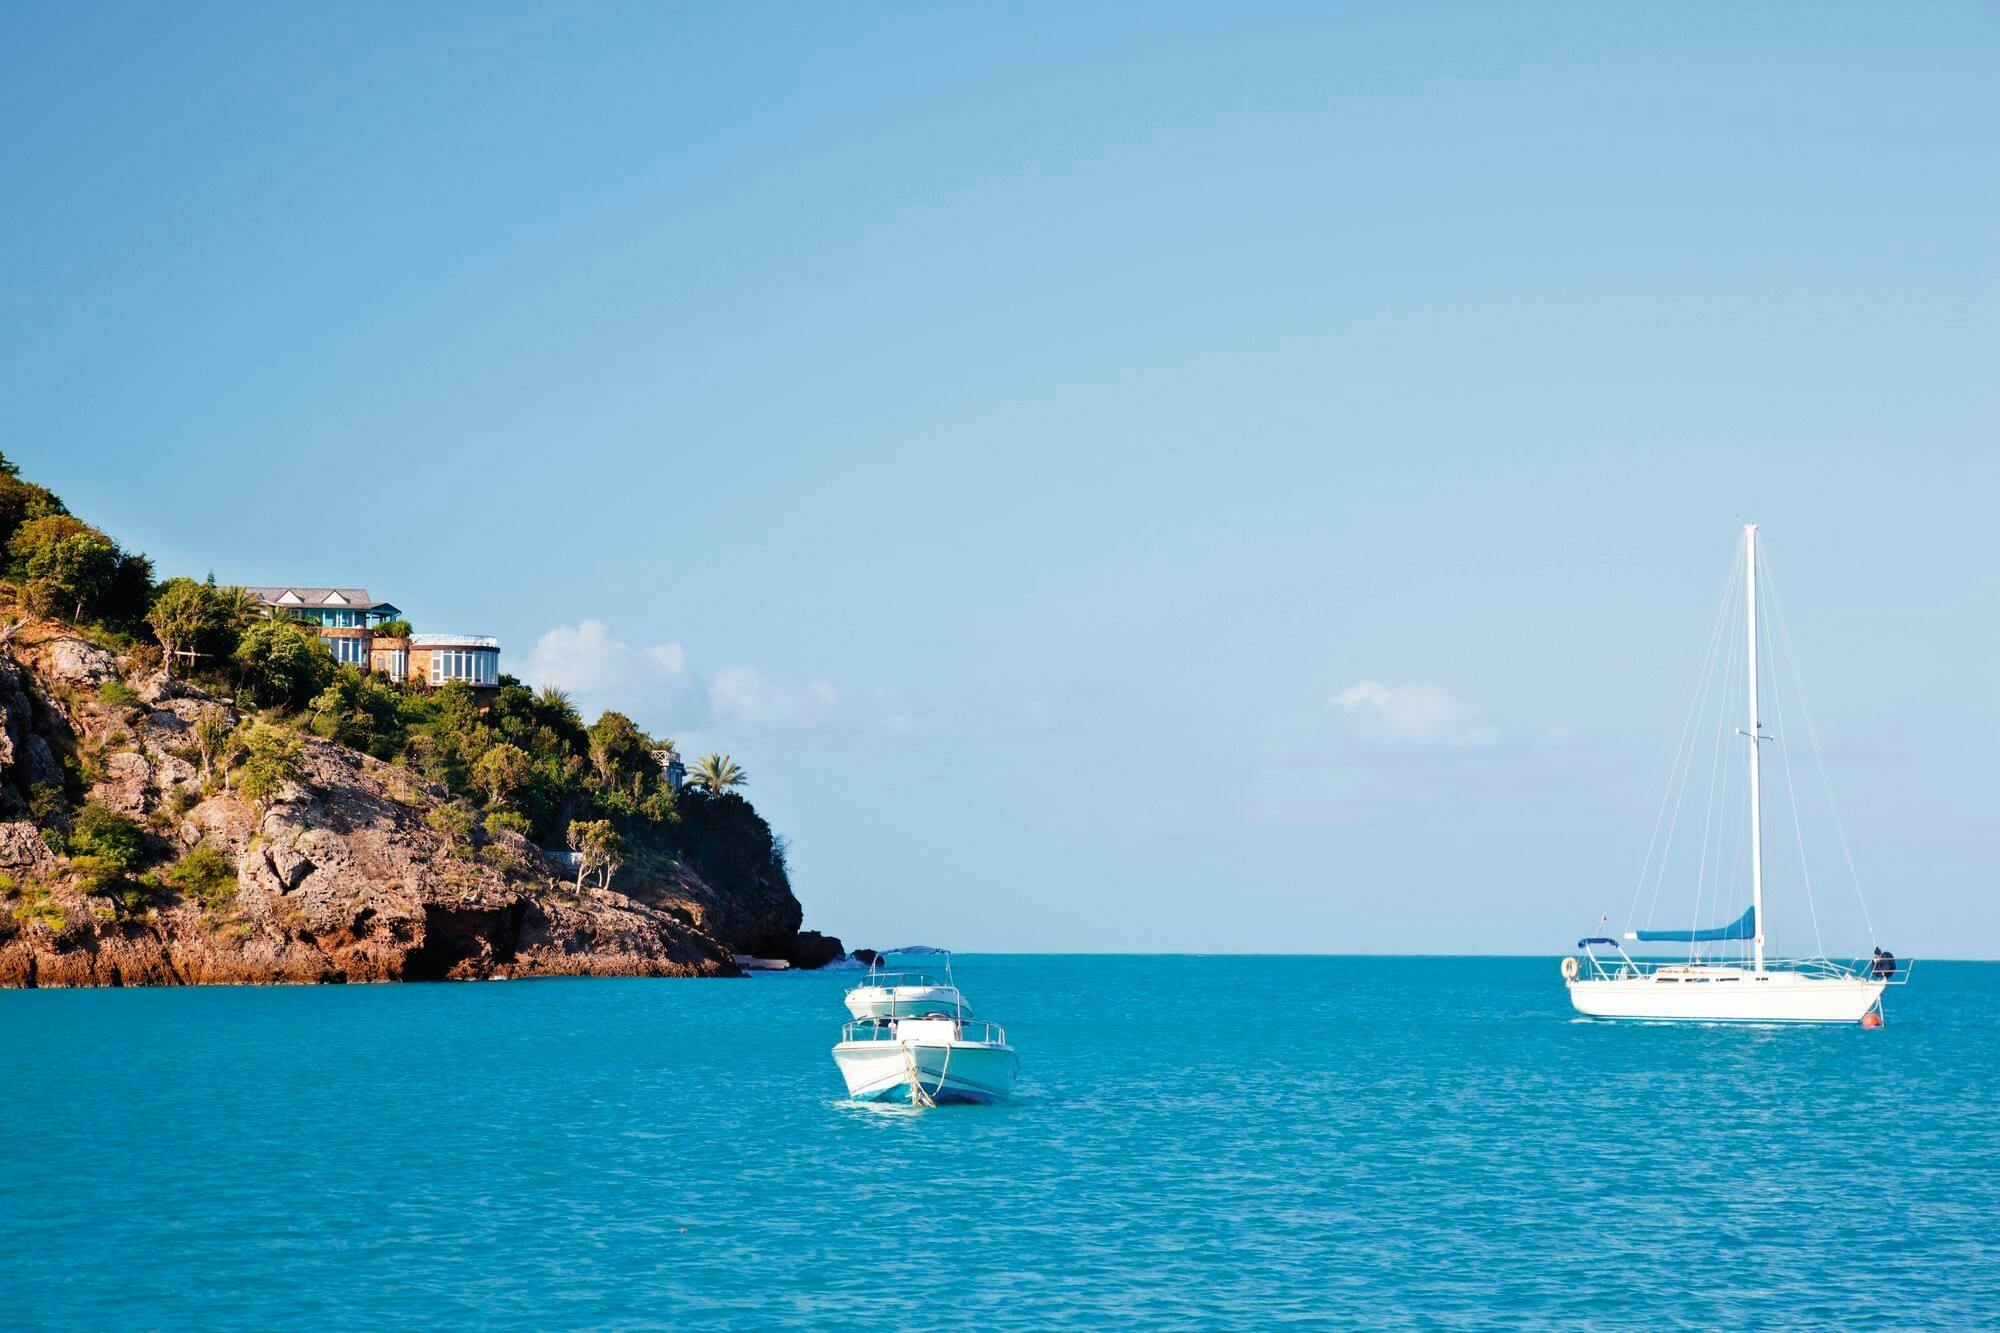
(474, 666)
(353, 651)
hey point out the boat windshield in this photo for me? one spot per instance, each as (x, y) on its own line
(901, 979)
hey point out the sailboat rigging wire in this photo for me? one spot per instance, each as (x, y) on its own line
(1709, 683)
(1812, 735)
(1677, 790)
(1730, 860)
(1723, 700)
(1791, 786)
(1707, 665)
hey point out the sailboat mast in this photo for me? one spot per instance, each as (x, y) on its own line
(1756, 737)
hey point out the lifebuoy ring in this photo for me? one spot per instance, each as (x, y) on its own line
(1569, 969)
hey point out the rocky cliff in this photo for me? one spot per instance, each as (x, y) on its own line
(338, 875)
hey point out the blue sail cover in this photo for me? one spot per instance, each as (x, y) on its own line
(1742, 928)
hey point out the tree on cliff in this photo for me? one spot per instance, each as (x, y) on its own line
(717, 773)
(621, 754)
(211, 732)
(282, 664)
(195, 620)
(503, 773)
(69, 569)
(67, 564)
(457, 823)
(599, 850)
(22, 501)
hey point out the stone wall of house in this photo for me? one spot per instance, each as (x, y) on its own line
(382, 651)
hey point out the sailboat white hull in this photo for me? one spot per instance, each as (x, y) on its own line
(1727, 995)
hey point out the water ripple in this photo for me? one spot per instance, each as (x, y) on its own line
(1199, 1143)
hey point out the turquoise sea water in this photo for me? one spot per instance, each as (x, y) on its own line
(1199, 1141)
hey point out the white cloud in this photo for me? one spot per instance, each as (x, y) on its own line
(1362, 692)
(747, 697)
(1415, 715)
(603, 672)
(1373, 747)
(659, 688)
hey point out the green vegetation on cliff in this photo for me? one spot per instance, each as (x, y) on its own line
(517, 761)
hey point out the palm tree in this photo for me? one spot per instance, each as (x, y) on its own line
(718, 773)
(236, 608)
(555, 704)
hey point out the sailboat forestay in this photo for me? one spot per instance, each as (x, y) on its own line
(1751, 988)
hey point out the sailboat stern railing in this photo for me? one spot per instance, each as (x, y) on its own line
(1594, 967)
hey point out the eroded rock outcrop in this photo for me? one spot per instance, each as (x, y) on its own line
(339, 877)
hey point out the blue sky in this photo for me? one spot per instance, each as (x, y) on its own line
(1011, 432)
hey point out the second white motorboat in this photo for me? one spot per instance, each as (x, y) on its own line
(886, 994)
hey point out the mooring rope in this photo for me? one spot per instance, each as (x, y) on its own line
(918, 1097)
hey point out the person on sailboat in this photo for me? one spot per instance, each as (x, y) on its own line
(1885, 964)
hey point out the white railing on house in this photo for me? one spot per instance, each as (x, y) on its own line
(454, 641)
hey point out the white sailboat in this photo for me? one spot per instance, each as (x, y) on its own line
(1703, 988)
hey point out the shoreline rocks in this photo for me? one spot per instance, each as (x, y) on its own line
(339, 878)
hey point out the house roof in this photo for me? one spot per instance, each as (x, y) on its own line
(352, 599)
(336, 597)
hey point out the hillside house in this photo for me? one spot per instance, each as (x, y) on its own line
(346, 619)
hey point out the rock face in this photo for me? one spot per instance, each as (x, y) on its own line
(728, 874)
(338, 876)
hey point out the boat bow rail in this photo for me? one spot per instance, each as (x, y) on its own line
(971, 1030)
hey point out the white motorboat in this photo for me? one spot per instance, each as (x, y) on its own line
(1707, 985)
(926, 1061)
(886, 994)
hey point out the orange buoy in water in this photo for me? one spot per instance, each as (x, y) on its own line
(1871, 1019)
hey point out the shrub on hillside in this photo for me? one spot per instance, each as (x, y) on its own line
(507, 821)
(203, 875)
(117, 694)
(101, 832)
(457, 823)
(282, 664)
(271, 758)
(197, 623)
